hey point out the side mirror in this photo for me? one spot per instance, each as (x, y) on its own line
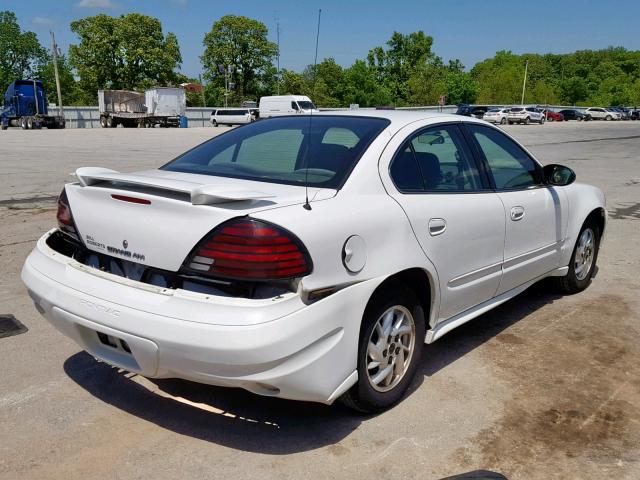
(558, 175)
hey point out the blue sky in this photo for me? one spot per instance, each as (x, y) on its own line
(470, 30)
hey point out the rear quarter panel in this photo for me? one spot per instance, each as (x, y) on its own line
(582, 200)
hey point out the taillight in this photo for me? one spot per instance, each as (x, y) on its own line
(65, 218)
(248, 249)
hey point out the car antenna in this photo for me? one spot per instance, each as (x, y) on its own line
(307, 205)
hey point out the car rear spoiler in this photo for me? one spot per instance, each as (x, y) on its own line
(200, 194)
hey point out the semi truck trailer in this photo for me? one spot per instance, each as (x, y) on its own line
(157, 106)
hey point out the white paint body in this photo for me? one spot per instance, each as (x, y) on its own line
(231, 116)
(598, 113)
(496, 115)
(283, 345)
(280, 105)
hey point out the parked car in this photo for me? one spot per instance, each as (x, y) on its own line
(476, 111)
(552, 116)
(496, 115)
(231, 116)
(599, 113)
(635, 115)
(279, 105)
(571, 114)
(625, 113)
(310, 262)
(525, 115)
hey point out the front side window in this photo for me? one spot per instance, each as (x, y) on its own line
(294, 105)
(509, 164)
(435, 160)
(320, 150)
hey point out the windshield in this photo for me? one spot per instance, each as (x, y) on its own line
(494, 110)
(304, 105)
(280, 150)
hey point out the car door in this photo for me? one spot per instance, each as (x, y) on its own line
(534, 218)
(458, 221)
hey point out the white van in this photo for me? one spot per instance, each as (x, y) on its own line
(279, 105)
(232, 116)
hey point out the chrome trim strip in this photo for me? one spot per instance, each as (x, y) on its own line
(523, 257)
(474, 275)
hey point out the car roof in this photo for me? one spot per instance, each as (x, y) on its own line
(402, 118)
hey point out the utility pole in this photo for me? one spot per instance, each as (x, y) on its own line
(278, 58)
(524, 82)
(54, 49)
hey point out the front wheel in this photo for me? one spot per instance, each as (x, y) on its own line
(583, 260)
(542, 121)
(389, 350)
(215, 124)
(526, 121)
(608, 118)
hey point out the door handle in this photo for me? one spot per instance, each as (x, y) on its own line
(517, 213)
(437, 226)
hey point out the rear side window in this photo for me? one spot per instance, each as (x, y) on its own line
(291, 150)
(509, 164)
(440, 163)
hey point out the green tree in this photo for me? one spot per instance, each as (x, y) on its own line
(127, 52)
(242, 43)
(404, 56)
(20, 52)
(71, 94)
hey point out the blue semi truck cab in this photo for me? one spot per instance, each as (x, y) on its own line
(25, 105)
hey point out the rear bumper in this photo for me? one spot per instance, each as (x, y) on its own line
(307, 353)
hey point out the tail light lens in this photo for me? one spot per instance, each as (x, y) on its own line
(248, 249)
(65, 217)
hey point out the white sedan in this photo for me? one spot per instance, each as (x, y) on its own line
(497, 115)
(310, 257)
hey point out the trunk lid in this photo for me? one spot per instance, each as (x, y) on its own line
(158, 217)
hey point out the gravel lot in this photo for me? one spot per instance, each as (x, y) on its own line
(544, 387)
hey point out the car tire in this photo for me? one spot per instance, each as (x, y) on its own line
(503, 121)
(608, 118)
(29, 123)
(396, 309)
(527, 120)
(583, 260)
(542, 120)
(215, 124)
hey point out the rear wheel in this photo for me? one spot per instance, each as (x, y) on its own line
(542, 121)
(215, 124)
(30, 123)
(23, 123)
(109, 122)
(503, 121)
(103, 122)
(583, 260)
(527, 120)
(608, 118)
(389, 350)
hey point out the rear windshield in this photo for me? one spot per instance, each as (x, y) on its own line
(517, 109)
(319, 150)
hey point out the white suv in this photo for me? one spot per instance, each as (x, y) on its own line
(598, 113)
(525, 115)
